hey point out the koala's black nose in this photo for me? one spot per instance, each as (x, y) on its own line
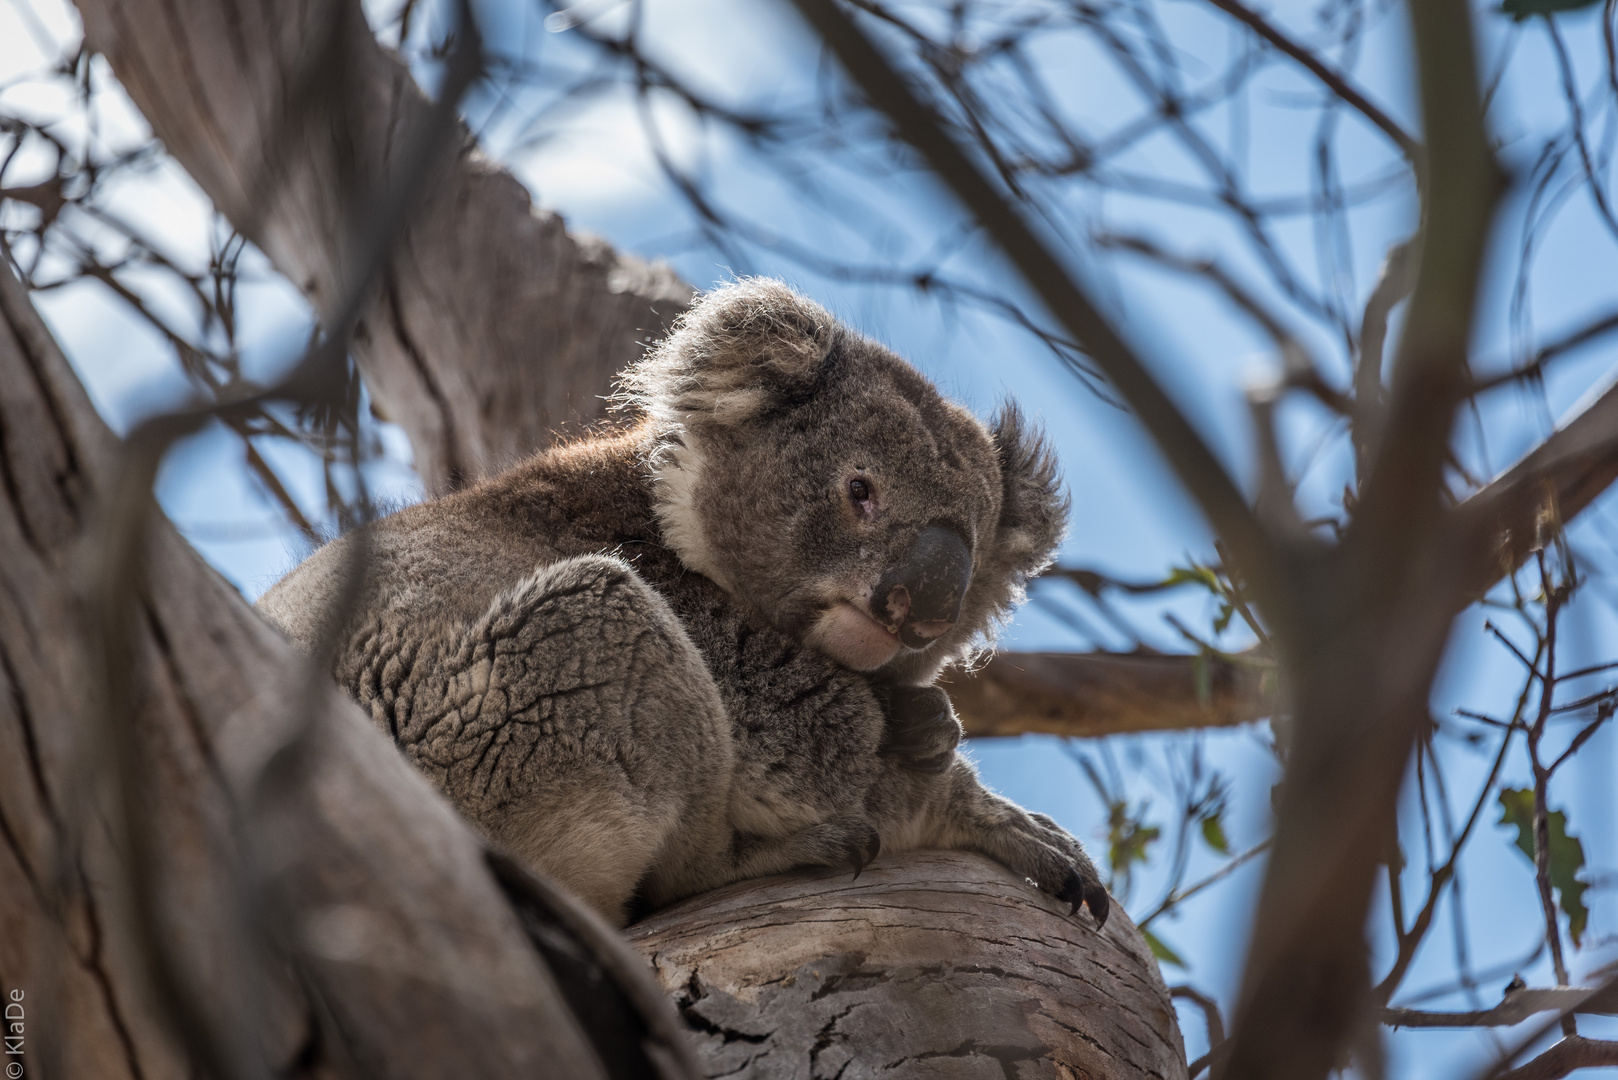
(921, 597)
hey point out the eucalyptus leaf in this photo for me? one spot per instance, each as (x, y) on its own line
(1566, 854)
(1160, 950)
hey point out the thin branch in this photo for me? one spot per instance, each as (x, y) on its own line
(1516, 1006)
(1334, 81)
(1535, 367)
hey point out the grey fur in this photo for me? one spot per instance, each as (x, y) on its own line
(610, 657)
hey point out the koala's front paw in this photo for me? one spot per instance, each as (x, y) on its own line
(861, 842)
(1081, 883)
(922, 731)
(1040, 849)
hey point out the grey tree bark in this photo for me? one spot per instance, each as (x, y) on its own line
(492, 327)
(937, 965)
(401, 945)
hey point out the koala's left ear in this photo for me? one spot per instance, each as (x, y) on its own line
(1034, 507)
(736, 350)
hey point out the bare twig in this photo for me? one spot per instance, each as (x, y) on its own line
(1334, 81)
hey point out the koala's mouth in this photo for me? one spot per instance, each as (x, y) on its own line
(847, 633)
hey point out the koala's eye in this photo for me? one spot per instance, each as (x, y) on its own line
(859, 490)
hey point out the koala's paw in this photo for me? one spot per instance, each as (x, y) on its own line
(850, 840)
(922, 731)
(1043, 851)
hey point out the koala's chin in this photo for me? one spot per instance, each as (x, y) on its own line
(852, 638)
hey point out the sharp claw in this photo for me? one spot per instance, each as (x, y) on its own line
(874, 848)
(1099, 903)
(1072, 891)
(857, 857)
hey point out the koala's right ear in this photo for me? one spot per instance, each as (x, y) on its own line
(731, 354)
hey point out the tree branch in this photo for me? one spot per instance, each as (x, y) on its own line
(1573, 1052)
(492, 327)
(1333, 81)
(1524, 506)
(1514, 1008)
(1092, 694)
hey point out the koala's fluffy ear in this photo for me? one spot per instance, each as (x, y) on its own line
(1034, 508)
(737, 349)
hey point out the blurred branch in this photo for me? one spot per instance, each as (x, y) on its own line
(1210, 1013)
(1516, 1006)
(1393, 285)
(1091, 694)
(1535, 367)
(1525, 505)
(1571, 1053)
(1360, 665)
(1333, 81)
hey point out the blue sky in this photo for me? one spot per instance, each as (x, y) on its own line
(1130, 518)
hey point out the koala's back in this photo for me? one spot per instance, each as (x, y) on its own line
(450, 558)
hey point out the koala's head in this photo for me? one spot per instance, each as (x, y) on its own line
(825, 484)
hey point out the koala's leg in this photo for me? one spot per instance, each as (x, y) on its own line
(962, 814)
(574, 722)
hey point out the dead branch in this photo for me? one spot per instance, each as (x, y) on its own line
(900, 970)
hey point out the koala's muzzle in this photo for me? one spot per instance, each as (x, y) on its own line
(920, 599)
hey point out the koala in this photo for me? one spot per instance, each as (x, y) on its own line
(699, 645)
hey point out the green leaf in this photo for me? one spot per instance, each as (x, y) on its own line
(1226, 610)
(1213, 833)
(1160, 950)
(1192, 575)
(1566, 854)
(1523, 9)
(1129, 838)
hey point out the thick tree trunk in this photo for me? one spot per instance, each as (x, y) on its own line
(399, 946)
(492, 327)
